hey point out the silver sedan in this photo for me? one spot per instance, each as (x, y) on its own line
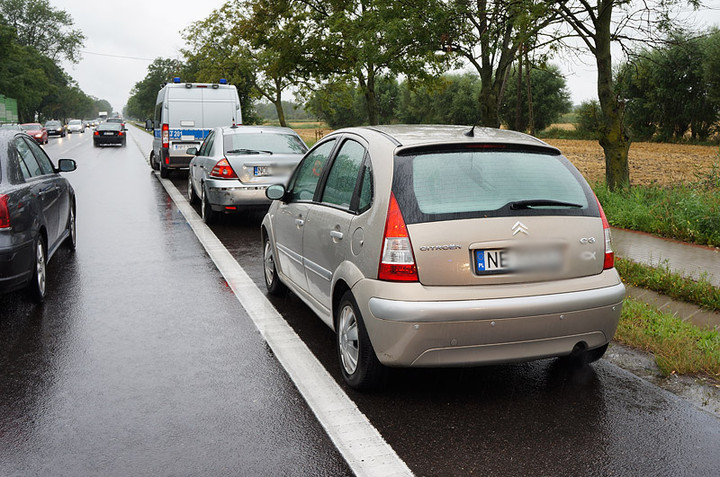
(235, 165)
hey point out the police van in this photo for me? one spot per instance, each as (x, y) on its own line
(184, 114)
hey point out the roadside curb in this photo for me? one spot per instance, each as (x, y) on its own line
(685, 311)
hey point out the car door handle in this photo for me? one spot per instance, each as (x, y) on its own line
(299, 222)
(336, 234)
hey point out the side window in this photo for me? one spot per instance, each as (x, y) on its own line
(343, 176)
(27, 158)
(158, 115)
(309, 172)
(207, 144)
(41, 157)
(366, 188)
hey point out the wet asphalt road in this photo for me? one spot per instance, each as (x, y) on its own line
(142, 362)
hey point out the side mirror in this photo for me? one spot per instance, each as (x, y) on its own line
(66, 165)
(275, 192)
(192, 151)
(148, 124)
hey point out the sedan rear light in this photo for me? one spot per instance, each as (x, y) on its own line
(4, 212)
(96, 133)
(120, 133)
(609, 254)
(397, 262)
(223, 170)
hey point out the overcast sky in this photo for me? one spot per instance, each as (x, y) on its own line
(123, 38)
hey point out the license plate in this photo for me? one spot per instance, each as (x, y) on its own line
(109, 134)
(183, 147)
(489, 262)
(261, 171)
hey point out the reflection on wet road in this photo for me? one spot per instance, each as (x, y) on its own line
(142, 362)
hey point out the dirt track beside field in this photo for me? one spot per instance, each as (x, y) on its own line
(663, 164)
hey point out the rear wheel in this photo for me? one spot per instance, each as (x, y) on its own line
(164, 171)
(37, 285)
(272, 282)
(153, 164)
(360, 367)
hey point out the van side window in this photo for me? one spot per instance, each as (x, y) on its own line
(158, 115)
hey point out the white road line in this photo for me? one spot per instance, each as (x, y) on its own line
(359, 442)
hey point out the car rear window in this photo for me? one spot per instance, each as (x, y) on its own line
(110, 127)
(470, 183)
(261, 143)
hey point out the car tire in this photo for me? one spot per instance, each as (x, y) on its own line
(71, 240)
(153, 164)
(38, 282)
(164, 172)
(123, 144)
(359, 365)
(272, 282)
(191, 195)
(95, 144)
(208, 215)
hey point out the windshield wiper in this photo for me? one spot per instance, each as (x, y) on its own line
(527, 204)
(248, 151)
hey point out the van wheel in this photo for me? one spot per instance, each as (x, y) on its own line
(153, 164)
(359, 365)
(37, 286)
(164, 172)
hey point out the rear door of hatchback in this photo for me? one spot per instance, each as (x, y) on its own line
(499, 214)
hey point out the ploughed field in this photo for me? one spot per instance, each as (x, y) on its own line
(650, 163)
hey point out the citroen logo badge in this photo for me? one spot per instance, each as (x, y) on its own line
(519, 227)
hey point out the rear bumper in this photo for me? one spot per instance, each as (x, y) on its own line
(224, 193)
(489, 331)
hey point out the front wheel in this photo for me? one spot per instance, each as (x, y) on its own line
(272, 282)
(71, 241)
(208, 215)
(359, 365)
(153, 164)
(37, 286)
(191, 195)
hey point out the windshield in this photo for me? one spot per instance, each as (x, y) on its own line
(469, 183)
(52, 123)
(30, 127)
(263, 143)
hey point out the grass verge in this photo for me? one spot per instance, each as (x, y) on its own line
(684, 212)
(679, 347)
(666, 282)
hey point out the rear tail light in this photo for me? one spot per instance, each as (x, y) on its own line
(397, 262)
(609, 254)
(165, 135)
(120, 133)
(4, 212)
(96, 133)
(223, 170)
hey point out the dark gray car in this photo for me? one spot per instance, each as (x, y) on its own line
(37, 213)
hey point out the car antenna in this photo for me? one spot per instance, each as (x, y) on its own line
(471, 132)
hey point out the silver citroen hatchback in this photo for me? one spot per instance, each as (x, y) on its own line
(428, 246)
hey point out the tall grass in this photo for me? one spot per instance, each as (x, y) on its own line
(687, 212)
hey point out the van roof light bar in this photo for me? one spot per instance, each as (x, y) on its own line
(176, 79)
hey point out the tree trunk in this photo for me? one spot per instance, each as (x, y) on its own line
(613, 135)
(371, 104)
(531, 113)
(518, 100)
(487, 102)
(278, 104)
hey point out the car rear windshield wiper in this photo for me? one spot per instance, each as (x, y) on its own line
(527, 204)
(248, 151)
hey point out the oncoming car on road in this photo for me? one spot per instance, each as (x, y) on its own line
(109, 133)
(75, 125)
(235, 164)
(36, 131)
(55, 128)
(431, 246)
(37, 213)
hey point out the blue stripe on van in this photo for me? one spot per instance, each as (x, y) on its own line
(176, 134)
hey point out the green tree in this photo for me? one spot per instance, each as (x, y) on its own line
(489, 34)
(143, 95)
(598, 25)
(450, 99)
(46, 29)
(368, 39)
(550, 99)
